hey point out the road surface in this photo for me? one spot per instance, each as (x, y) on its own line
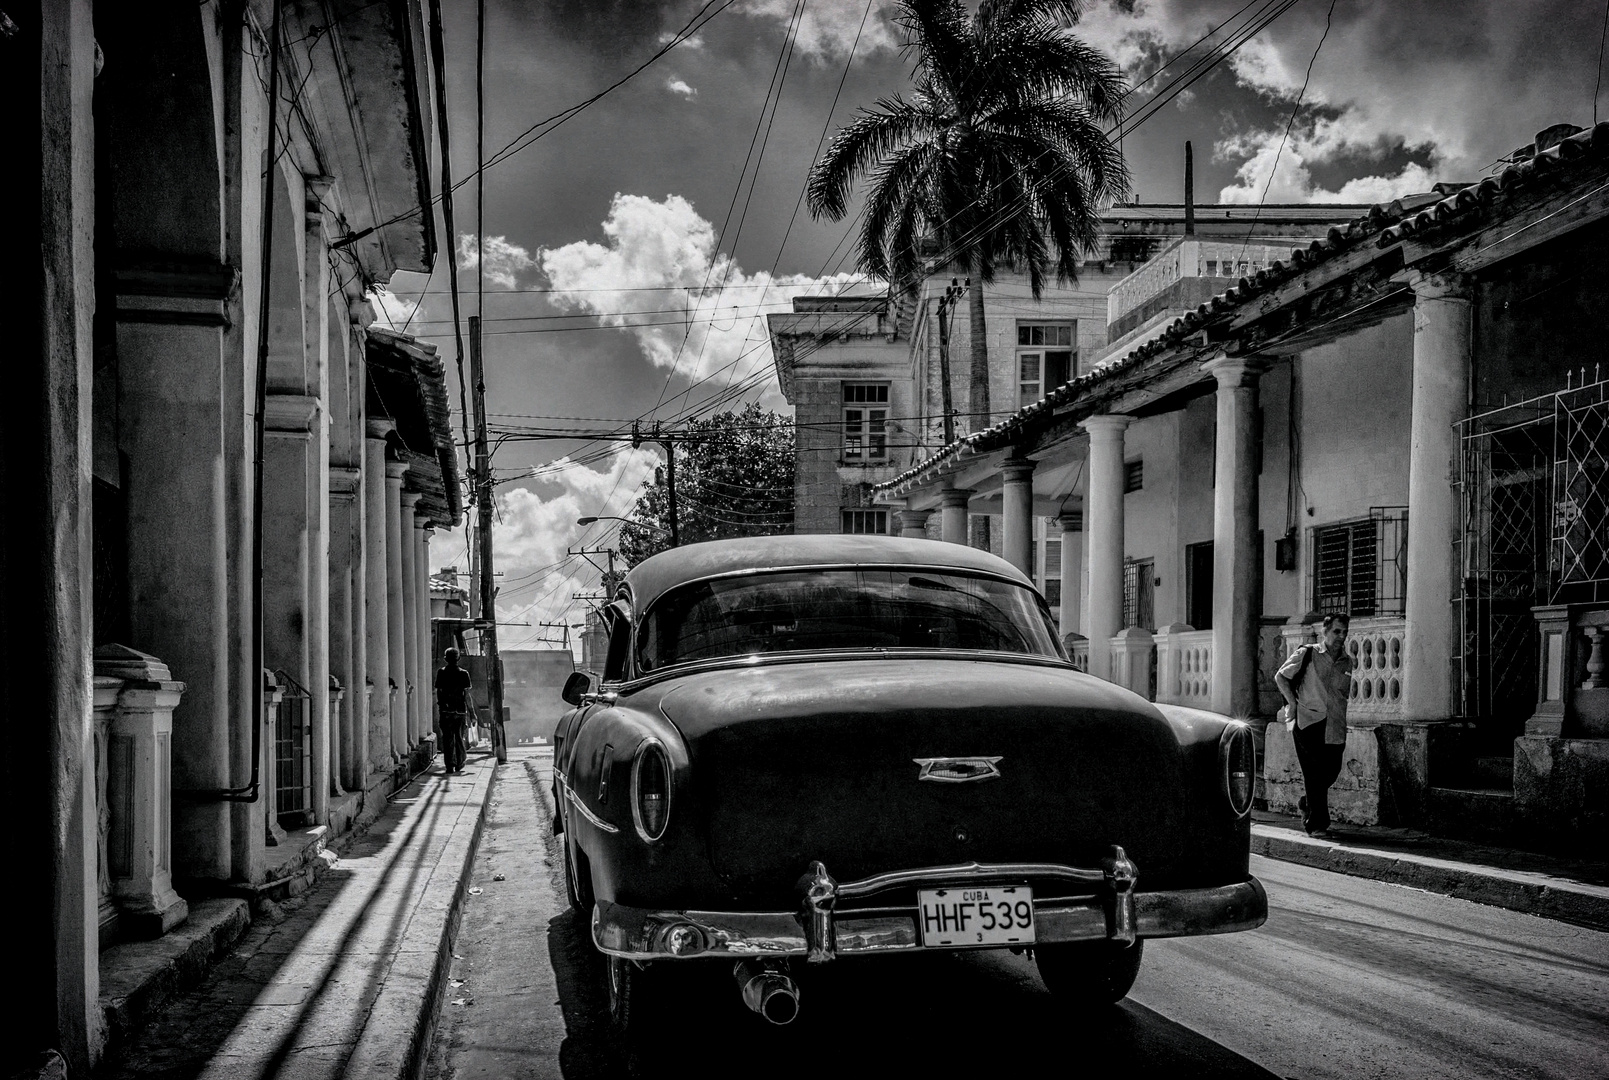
(1349, 978)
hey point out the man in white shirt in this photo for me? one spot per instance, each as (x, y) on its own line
(1316, 682)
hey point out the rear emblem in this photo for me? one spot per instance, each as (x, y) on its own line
(957, 770)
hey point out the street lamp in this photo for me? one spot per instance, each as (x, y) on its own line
(628, 521)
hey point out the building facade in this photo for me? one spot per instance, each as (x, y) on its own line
(1404, 421)
(233, 481)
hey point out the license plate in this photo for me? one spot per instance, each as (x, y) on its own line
(970, 917)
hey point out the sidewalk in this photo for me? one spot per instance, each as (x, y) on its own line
(345, 981)
(1571, 890)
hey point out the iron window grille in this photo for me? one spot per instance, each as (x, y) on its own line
(1360, 568)
(865, 411)
(868, 522)
(1139, 593)
(293, 754)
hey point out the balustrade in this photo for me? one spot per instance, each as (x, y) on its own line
(1378, 673)
(1184, 666)
(1078, 652)
(1133, 661)
(1572, 698)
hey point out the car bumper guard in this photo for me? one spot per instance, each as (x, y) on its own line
(1115, 911)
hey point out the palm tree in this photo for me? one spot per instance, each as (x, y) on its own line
(997, 159)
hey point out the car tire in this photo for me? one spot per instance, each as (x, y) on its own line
(1090, 973)
(626, 987)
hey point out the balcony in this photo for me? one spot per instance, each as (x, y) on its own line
(1180, 278)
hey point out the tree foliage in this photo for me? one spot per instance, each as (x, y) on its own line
(734, 477)
(998, 158)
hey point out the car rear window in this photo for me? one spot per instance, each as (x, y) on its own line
(838, 609)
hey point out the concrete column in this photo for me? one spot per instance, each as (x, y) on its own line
(953, 516)
(1234, 537)
(427, 667)
(377, 618)
(1441, 364)
(410, 613)
(1072, 568)
(316, 348)
(913, 523)
(346, 622)
(396, 617)
(1017, 513)
(287, 576)
(1103, 525)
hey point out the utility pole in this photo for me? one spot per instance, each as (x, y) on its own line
(669, 443)
(952, 296)
(488, 593)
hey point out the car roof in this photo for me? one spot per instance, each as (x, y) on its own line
(654, 576)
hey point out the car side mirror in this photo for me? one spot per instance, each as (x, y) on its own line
(576, 687)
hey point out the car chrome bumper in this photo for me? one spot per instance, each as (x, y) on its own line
(1115, 912)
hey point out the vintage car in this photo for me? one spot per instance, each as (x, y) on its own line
(806, 747)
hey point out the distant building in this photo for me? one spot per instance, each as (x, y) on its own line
(532, 680)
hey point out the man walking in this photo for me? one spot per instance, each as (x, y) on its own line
(452, 698)
(1316, 681)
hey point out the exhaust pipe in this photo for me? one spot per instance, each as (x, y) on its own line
(767, 990)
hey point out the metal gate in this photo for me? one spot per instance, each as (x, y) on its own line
(1534, 505)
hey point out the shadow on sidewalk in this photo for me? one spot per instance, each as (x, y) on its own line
(320, 963)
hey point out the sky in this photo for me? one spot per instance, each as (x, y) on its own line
(631, 252)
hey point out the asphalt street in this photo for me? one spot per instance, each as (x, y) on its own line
(1349, 978)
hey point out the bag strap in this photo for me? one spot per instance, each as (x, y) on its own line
(1307, 655)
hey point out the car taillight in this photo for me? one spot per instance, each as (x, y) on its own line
(1238, 757)
(650, 790)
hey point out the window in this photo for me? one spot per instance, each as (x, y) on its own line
(1139, 596)
(1360, 567)
(1053, 591)
(1133, 475)
(866, 521)
(1198, 585)
(1045, 358)
(865, 410)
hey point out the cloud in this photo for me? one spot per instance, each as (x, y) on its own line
(692, 310)
(1461, 84)
(536, 526)
(504, 260)
(694, 42)
(828, 27)
(678, 86)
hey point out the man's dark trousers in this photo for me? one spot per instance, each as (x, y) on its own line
(1321, 765)
(453, 725)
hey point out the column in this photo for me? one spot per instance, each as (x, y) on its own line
(345, 625)
(1103, 524)
(377, 618)
(1017, 513)
(287, 577)
(316, 348)
(1072, 569)
(396, 635)
(410, 613)
(1234, 537)
(1441, 364)
(913, 523)
(427, 663)
(953, 515)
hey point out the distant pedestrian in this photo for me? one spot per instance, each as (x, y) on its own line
(1316, 681)
(452, 698)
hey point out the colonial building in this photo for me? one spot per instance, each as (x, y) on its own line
(865, 372)
(1404, 420)
(220, 484)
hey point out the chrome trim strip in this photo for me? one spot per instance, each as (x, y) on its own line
(940, 770)
(959, 873)
(1236, 729)
(641, 933)
(575, 801)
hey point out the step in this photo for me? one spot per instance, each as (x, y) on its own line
(1484, 815)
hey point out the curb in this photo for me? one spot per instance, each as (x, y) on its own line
(156, 970)
(1516, 890)
(413, 987)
